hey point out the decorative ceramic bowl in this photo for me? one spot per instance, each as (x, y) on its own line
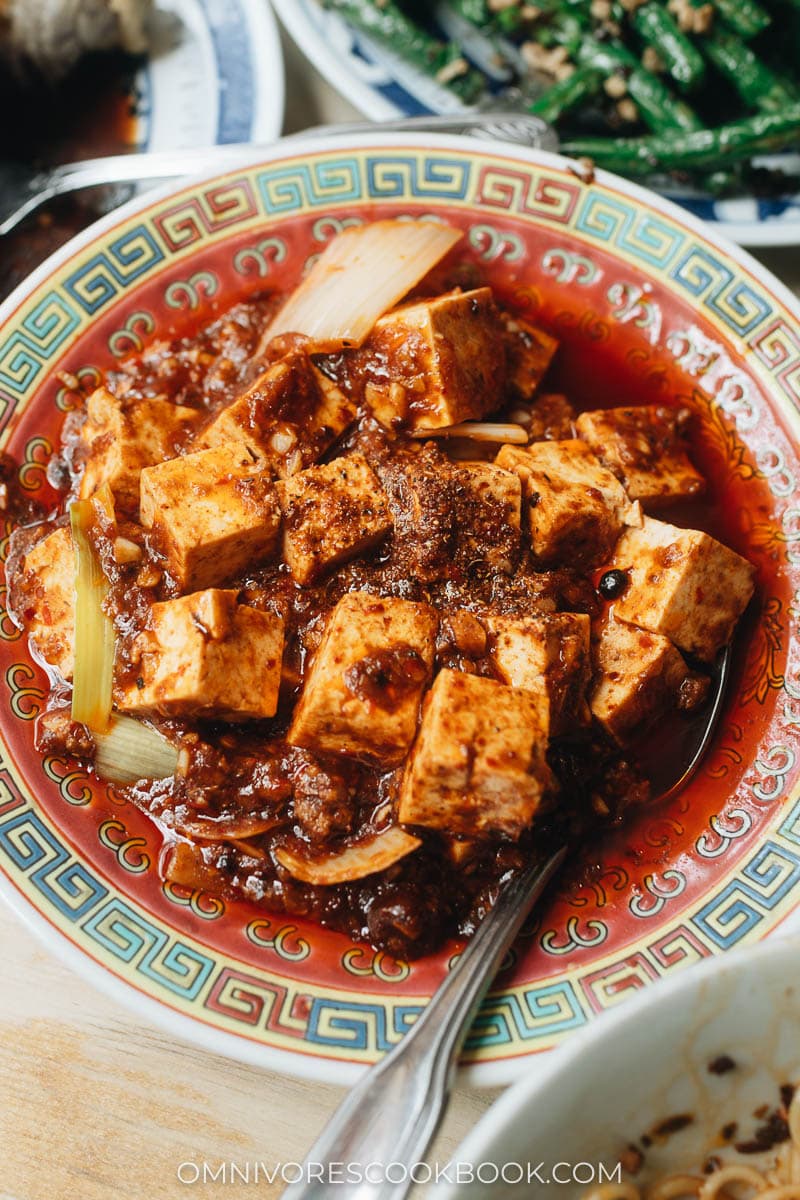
(618, 1081)
(648, 304)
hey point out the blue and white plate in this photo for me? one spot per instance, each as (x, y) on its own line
(215, 75)
(381, 86)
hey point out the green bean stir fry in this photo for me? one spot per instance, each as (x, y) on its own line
(691, 88)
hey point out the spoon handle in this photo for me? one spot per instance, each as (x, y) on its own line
(387, 1121)
(22, 191)
(522, 129)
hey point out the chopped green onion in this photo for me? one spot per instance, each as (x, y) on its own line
(94, 629)
(128, 751)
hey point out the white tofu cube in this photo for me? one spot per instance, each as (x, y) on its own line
(639, 676)
(289, 416)
(206, 656)
(119, 439)
(212, 514)
(576, 508)
(547, 653)
(331, 514)
(43, 594)
(361, 695)
(478, 765)
(435, 362)
(529, 352)
(644, 448)
(683, 584)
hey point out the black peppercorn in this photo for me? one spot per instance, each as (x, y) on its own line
(613, 584)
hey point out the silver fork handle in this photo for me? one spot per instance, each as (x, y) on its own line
(390, 1117)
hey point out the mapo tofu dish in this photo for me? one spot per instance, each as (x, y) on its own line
(359, 611)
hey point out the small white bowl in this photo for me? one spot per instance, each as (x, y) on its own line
(636, 1066)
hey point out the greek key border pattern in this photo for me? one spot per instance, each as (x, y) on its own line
(139, 948)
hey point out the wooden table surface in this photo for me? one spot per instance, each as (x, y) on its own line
(97, 1104)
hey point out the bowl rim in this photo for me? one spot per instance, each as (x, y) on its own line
(516, 1100)
(304, 1063)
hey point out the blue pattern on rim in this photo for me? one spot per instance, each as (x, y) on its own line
(703, 275)
(358, 1026)
(622, 224)
(166, 960)
(551, 1009)
(100, 279)
(229, 30)
(766, 879)
(163, 958)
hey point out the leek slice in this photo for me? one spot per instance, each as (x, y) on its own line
(129, 751)
(359, 276)
(364, 858)
(94, 629)
(479, 431)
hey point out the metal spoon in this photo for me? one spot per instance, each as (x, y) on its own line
(23, 190)
(392, 1114)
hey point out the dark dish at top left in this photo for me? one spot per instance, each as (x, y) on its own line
(67, 74)
(357, 609)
